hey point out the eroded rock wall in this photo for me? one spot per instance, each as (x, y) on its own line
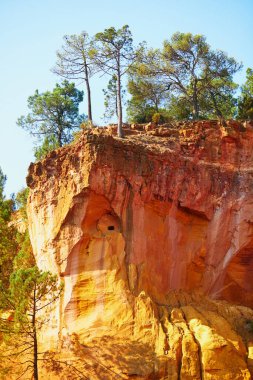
(130, 224)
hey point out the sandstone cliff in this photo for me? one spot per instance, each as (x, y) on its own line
(152, 236)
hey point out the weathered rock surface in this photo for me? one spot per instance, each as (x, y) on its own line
(149, 235)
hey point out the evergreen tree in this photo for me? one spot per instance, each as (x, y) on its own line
(149, 98)
(49, 143)
(31, 297)
(195, 74)
(114, 54)
(54, 115)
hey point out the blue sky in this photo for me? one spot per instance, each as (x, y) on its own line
(31, 31)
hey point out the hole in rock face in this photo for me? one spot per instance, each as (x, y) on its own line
(108, 222)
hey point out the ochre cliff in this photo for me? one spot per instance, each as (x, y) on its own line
(153, 238)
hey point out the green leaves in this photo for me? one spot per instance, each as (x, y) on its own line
(54, 115)
(29, 300)
(199, 81)
(3, 179)
(50, 143)
(116, 40)
(8, 243)
(114, 50)
(245, 104)
(27, 295)
(32, 290)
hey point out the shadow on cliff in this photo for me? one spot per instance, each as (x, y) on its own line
(110, 358)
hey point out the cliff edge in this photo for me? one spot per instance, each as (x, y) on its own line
(153, 238)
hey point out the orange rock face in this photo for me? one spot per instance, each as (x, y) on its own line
(144, 232)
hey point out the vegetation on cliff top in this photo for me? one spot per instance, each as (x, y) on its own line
(184, 80)
(114, 54)
(186, 74)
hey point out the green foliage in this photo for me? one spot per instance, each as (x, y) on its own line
(139, 113)
(49, 143)
(217, 98)
(8, 250)
(6, 206)
(245, 103)
(3, 179)
(148, 91)
(15, 247)
(156, 118)
(8, 243)
(218, 105)
(178, 108)
(193, 75)
(25, 292)
(24, 258)
(29, 288)
(113, 45)
(54, 114)
(110, 96)
(31, 297)
(21, 199)
(182, 62)
(149, 97)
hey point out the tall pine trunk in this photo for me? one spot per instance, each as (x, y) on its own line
(217, 110)
(88, 93)
(120, 129)
(195, 101)
(35, 356)
(35, 342)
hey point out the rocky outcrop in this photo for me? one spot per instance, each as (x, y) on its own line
(151, 234)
